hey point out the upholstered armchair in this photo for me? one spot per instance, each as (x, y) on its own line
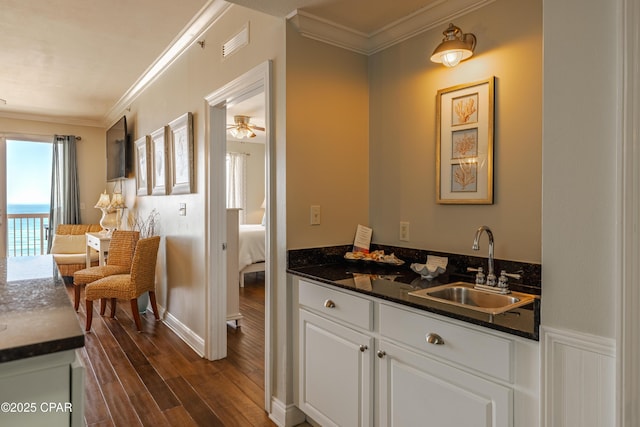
(121, 247)
(130, 286)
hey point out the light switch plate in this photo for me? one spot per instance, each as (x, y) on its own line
(315, 215)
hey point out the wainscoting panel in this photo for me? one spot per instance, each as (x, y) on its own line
(578, 379)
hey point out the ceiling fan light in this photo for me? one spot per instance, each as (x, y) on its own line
(242, 129)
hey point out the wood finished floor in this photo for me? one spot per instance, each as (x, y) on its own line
(154, 379)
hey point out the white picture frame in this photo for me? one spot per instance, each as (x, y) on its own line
(181, 154)
(143, 166)
(159, 164)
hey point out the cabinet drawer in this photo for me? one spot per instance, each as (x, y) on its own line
(336, 305)
(474, 349)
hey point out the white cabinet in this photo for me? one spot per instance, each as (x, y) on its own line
(416, 390)
(363, 361)
(45, 390)
(335, 385)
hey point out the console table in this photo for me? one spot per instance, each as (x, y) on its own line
(100, 242)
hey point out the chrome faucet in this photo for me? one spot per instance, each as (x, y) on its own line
(491, 275)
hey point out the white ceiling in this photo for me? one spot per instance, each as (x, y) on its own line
(75, 61)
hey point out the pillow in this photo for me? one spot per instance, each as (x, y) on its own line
(69, 244)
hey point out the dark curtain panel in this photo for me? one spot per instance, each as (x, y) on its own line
(65, 195)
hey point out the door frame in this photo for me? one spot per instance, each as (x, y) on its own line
(3, 197)
(252, 82)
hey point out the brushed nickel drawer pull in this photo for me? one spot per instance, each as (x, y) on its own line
(363, 347)
(381, 354)
(329, 304)
(434, 339)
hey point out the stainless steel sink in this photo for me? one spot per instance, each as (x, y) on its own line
(463, 294)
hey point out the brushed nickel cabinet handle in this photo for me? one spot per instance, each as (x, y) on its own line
(434, 339)
(381, 354)
(329, 304)
(363, 347)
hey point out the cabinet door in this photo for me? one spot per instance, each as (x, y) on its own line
(336, 370)
(416, 390)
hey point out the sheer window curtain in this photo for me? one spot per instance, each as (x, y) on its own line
(65, 195)
(237, 183)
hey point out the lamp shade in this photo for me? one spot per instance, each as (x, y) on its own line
(117, 201)
(103, 201)
(455, 47)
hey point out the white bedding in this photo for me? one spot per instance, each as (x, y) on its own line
(251, 243)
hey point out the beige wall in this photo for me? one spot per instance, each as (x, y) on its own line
(90, 155)
(358, 125)
(181, 88)
(404, 84)
(327, 142)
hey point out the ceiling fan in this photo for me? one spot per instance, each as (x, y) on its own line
(242, 128)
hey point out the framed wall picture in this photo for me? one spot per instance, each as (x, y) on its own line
(464, 143)
(181, 154)
(159, 165)
(143, 184)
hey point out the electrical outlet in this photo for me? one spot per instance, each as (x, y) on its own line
(315, 215)
(404, 231)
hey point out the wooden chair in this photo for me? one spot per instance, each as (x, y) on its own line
(130, 286)
(121, 247)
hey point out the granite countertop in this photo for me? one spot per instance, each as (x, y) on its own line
(36, 314)
(394, 284)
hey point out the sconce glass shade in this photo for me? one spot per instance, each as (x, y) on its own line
(455, 47)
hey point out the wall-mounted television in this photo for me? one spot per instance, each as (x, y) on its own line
(118, 151)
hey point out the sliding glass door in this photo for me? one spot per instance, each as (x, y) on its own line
(3, 197)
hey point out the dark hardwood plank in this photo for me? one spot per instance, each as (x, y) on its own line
(154, 379)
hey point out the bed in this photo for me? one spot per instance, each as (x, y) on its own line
(251, 242)
(245, 254)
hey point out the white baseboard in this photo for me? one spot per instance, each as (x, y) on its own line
(578, 379)
(285, 415)
(181, 330)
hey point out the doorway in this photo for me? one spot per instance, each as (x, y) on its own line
(255, 82)
(25, 193)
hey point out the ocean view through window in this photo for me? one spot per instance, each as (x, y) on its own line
(28, 193)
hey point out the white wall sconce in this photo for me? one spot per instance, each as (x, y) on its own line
(455, 47)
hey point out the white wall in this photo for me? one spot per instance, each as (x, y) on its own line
(579, 207)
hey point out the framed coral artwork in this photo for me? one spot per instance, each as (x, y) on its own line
(464, 143)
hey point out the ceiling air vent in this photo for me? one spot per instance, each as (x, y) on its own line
(236, 42)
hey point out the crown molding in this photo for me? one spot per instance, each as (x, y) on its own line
(64, 120)
(431, 16)
(201, 22)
